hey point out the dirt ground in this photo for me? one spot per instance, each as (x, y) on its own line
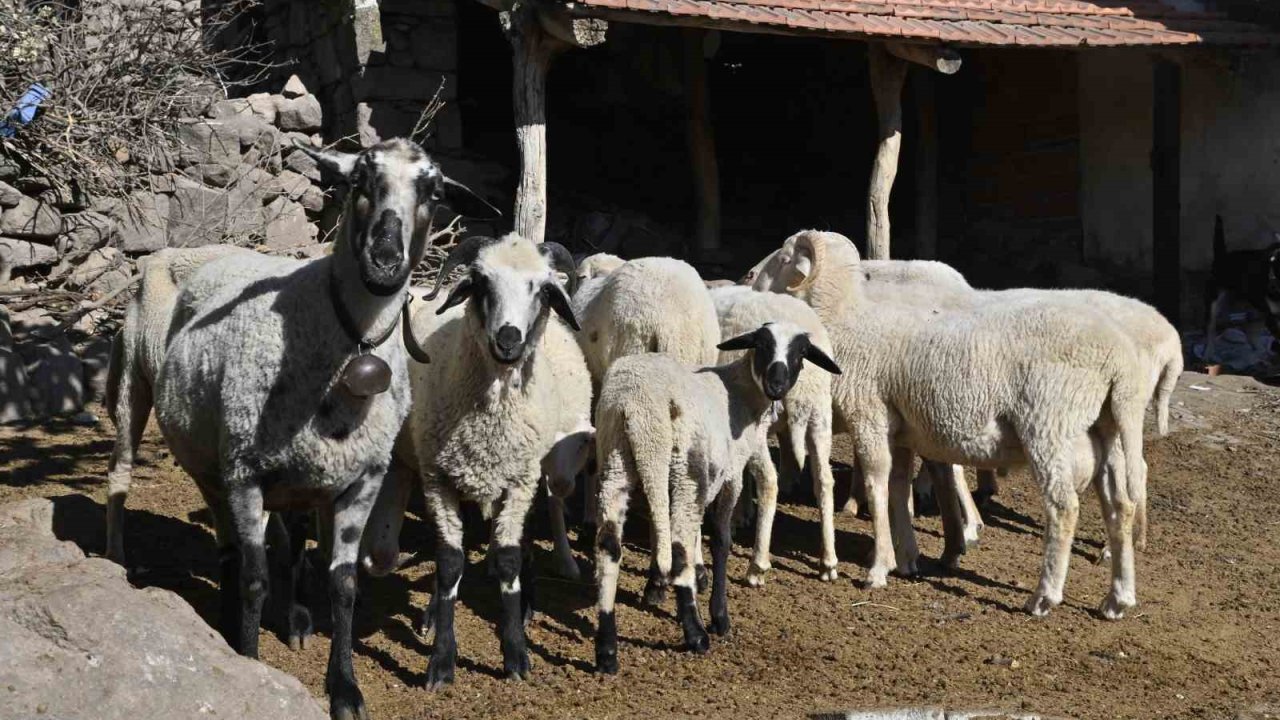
(1203, 642)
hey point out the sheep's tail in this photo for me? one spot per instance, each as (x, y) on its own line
(652, 442)
(1164, 390)
(115, 370)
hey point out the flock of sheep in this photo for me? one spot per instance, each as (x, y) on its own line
(283, 388)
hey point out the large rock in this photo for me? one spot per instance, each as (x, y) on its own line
(77, 641)
(263, 105)
(89, 229)
(15, 405)
(302, 114)
(143, 222)
(303, 164)
(209, 141)
(10, 196)
(102, 271)
(55, 376)
(20, 254)
(287, 225)
(31, 219)
(197, 215)
(294, 88)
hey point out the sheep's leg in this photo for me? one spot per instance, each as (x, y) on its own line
(721, 541)
(767, 492)
(655, 586)
(1062, 509)
(951, 511)
(565, 564)
(247, 519)
(590, 507)
(506, 547)
(1117, 514)
(924, 496)
(614, 494)
(299, 618)
(351, 511)
(133, 406)
(228, 568)
(1138, 495)
(987, 487)
(857, 479)
(973, 525)
(876, 460)
(903, 533)
(701, 579)
(445, 509)
(824, 486)
(688, 498)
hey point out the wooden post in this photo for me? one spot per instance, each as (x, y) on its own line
(702, 144)
(887, 75)
(926, 166)
(532, 50)
(1166, 182)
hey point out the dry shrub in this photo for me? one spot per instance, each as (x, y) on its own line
(121, 73)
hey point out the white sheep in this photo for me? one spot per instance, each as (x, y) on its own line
(804, 427)
(506, 395)
(278, 390)
(137, 352)
(684, 435)
(998, 384)
(652, 304)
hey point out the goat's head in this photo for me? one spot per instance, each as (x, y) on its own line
(395, 189)
(777, 350)
(511, 283)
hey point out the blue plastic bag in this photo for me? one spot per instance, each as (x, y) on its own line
(25, 111)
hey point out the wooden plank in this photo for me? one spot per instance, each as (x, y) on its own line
(887, 75)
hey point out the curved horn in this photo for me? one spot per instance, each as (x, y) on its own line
(817, 250)
(562, 261)
(464, 253)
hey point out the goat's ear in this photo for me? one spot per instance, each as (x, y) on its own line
(821, 359)
(338, 163)
(465, 202)
(741, 342)
(558, 301)
(463, 290)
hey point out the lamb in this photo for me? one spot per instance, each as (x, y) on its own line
(507, 395)
(278, 390)
(598, 265)
(805, 427)
(684, 435)
(629, 311)
(137, 352)
(1000, 383)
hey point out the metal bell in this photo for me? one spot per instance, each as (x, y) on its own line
(366, 376)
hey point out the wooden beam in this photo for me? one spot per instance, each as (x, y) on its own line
(887, 75)
(926, 154)
(935, 57)
(574, 31)
(702, 144)
(532, 50)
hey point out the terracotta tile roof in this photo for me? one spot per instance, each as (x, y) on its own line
(1052, 23)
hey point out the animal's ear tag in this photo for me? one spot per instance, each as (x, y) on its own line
(366, 375)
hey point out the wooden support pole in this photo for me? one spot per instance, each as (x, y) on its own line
(926, 166)
(935, 57)
(702, 144)
(1166, 181)
(537, 34)
(887, 75)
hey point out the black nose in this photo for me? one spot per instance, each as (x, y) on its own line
(508, 337)
(777, 380)
(386, 251)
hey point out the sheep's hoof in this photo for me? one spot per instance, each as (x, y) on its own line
(698, 642)
(1039, 605)
(877, 578)
(347, 704)
(607, 661)
(517, 667)
(655, 594)
(908, 568)
(972, 536)
(439, 674)
(702, 578)
(719, 625)
(828, 574)
(1103, 556)
(1113, 607)
(300, 628)
(755, 575)
(951, 561)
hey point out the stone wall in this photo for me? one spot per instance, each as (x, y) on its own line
(374, 65)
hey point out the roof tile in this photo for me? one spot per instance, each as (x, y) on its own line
(1033, 23)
